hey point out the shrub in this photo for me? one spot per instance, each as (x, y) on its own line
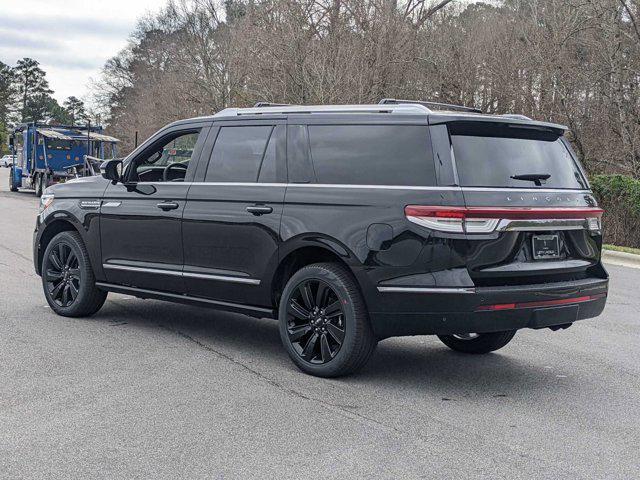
(619, 195)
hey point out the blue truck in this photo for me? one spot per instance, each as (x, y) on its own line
(47, 154)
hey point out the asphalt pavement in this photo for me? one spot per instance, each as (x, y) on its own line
(147, 389)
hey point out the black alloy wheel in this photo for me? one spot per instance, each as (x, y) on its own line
(67, 277)
(323, 321)
(63, 275)
(315, 321)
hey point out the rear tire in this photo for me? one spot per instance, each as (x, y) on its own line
(324, 324)
(478, 343)
(12, 187)
(67, 278)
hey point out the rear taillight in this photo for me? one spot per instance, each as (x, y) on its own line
(489, 219)
(539, 304)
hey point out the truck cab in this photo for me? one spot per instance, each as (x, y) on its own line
(46, 154)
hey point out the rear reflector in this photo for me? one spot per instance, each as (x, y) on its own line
(538, 304)
(487, 219)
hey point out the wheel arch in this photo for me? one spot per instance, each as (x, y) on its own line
(52, 229)
(298, 254)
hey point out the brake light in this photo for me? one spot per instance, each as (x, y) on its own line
(487, 219)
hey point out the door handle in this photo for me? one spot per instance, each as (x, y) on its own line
(258, 210)
(166, 206)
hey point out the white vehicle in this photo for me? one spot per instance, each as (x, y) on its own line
(7, 160)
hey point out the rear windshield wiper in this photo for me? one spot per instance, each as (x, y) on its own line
(537, 178)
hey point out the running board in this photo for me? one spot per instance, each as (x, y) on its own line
(258, 312)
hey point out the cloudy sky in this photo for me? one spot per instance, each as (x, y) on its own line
(71, 39)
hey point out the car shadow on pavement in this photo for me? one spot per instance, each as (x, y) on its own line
(420, 363)
(425, 363)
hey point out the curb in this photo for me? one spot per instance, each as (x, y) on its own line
(621, 258)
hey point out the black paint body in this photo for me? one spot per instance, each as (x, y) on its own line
(210, 250)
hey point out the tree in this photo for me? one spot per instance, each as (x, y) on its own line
(75, 110)
(575, 62)
(6, 91)
(55, 113)
(6, 94)
(32, 89)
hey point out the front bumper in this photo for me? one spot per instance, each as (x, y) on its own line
(451, 312)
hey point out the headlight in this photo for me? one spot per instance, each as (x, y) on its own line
(45, 200)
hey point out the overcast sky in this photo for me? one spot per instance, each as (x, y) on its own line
(71, 39)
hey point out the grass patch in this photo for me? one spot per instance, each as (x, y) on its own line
(635, 251)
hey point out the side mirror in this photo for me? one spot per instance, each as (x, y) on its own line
(112, 170)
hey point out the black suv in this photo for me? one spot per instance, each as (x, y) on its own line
(348, 224)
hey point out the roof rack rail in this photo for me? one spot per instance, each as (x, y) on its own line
(450, 106)
(324, 109)
(515, 116)
(269, 104)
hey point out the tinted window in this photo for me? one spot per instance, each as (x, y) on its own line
(442, 155)
(484, 159)
(372, 154)
(273, 155)
(299, 164)
(237, 154)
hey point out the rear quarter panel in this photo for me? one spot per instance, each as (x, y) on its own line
(339, 217)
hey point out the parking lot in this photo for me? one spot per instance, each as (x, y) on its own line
(156, 390)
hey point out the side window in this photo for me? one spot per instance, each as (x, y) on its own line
(238, 154)
(274, 156)
(443, 157)
(299, 165)
(166, 161)
(372, 154)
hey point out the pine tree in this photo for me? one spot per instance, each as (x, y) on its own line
(6, 94)
(32, 89)
(75, 110)
(6, 91)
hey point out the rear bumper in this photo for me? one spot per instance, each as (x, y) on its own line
(449, 311)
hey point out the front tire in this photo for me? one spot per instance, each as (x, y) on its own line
(324, 325)
(67, 277)
(44, 181)
(477, 343)
(37, 184)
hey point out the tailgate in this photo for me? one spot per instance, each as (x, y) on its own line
(528, 237)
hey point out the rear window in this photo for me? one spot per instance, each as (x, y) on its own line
(372, 154)
(491, 158)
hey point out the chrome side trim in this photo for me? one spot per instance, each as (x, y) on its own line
(111, 204)
(374, 187)
(426, 290)
(238, 184)
(179, 273)
(111, 266)
(222, 278)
